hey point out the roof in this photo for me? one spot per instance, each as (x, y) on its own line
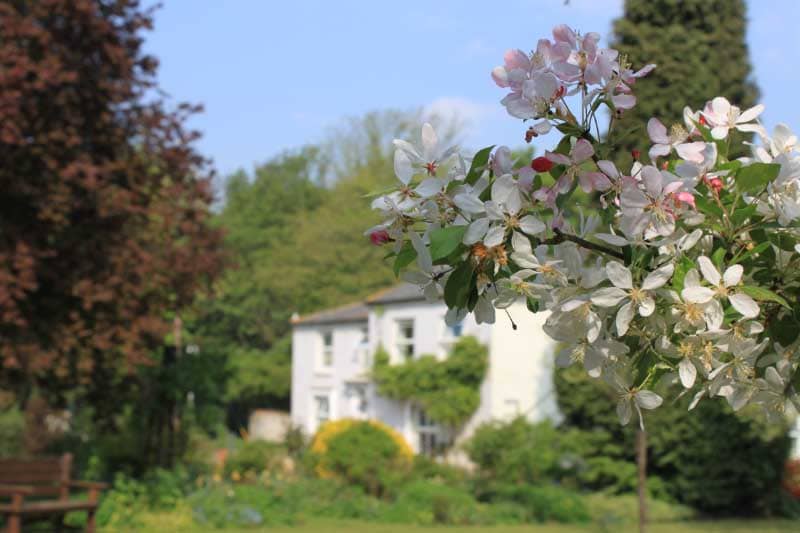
(356, 312)
(405, 292)
(359, 311)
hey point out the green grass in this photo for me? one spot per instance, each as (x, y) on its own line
(727, 526)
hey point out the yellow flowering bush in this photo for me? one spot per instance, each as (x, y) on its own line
(364, 453)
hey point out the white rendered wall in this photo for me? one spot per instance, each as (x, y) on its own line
(521, 370)
(310, 378)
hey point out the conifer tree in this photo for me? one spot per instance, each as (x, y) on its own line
(700, 50)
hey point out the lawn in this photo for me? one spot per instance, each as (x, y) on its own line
(761, 526)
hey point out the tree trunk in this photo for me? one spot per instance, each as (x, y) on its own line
(641, 463)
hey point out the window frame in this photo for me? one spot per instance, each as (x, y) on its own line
(402, 342)
(326, 354)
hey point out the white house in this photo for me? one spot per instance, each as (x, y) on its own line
(332, 354)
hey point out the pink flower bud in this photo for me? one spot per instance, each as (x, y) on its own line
(716, 184)
(379, 237)
(686, 198)
(635, 154)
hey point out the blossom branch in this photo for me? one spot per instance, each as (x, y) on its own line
(563, 237)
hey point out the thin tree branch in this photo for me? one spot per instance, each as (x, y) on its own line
(562, 237)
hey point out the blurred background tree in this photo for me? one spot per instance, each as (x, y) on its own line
(105, 208)
(700, 51)
(712, 459)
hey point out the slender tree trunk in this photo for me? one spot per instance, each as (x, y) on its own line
(641, 463)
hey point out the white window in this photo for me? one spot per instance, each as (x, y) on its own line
(432, 438)
(356, 394)
(362, 348)
(405, 339)
(322, 408)
(326, 361)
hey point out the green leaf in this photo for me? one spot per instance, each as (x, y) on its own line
(764, 295)
(459, 284)
(683, 266)
(405, 257)
(784, 241)
(707, 207)
(478, 165)
(444, 241)
(742, 214)
(755, 177)
(718, 257)
(755, 251)
(784, 330)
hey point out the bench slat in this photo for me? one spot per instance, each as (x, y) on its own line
(51, 506)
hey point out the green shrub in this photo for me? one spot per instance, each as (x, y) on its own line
(12, 425)
(544, 503)
(365, 456)
(120, 507)
(611, 510)
(426, 503)
(224, 506)
(717, 461)
(521, 452)
(328, 498)
(425, 468)
(254, 457)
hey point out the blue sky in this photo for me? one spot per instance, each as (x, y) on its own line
(275, 75)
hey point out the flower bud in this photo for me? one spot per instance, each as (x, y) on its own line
(541, 164)
(716, 184)
(636, 154)
(379, 237)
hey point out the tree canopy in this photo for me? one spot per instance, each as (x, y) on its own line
(105, 205)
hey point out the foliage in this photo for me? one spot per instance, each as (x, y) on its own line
(254, 457)
(12, 424)
(425, 503)
(121, 506)
(365, 454)
(712, 459)
(105, 203)
(618, 510)
(448, 390)
(520, 452)
(428, 469)
(545, 503)
(701, 52)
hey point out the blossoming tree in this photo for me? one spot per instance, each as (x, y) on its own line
(684, 270)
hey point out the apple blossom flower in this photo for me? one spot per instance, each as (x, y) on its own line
(637, 299)
(408, 159)
(691, 315)
(503, 214)
(581, 152)
(723, 117)
(723, 286)
(674, 140)
(630, 398)
(649, 210)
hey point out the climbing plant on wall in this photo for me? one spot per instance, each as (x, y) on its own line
(448, 390)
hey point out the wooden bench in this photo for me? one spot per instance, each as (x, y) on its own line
(40, 487)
